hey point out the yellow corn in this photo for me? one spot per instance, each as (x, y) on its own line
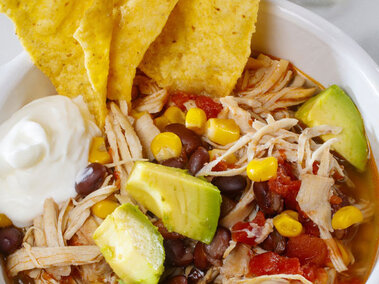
(103, 208)
(287, 226)
(222, 131)
(215, 153)
(262, 169)
(175, 115)
(98, 152)
(346, 255)
(138, 114)
(293, 214)
(5, 221)
(195, 120)
(161, 122)
(345, 217)
(166, 145)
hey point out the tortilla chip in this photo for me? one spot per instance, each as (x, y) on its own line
(137, 24)
(203, 47)
(94, 35)
(46, 30)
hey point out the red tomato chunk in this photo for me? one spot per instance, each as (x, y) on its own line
(308, 249)
(270, 263)
(209, 106)
(240, 230)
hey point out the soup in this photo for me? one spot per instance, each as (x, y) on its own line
(248, 151)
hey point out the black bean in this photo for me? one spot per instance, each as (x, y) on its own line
(219, 244)
(269, 202)
(197, 160)
(179, 162)
(275, 242)
(10, 240)
(230, 186)
(90, 179)
(165, 233)
(190, 140)
(200, 258)
(195, 275)
(179, 279)
(227, 205)
(177, 254)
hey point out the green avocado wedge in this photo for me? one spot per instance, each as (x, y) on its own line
(334, 107)
(187, 205)
(131, 245)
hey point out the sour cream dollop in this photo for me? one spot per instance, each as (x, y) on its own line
(43, 146)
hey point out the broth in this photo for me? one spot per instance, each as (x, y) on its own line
(365, 243)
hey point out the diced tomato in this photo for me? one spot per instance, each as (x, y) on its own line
(240, 230)
(221, 166)
(308, 249)
(259, 219)
(315, 166)
(286, 184)
(311, 228)
(209, 106)
(270, 263)
(335, 200)
(180, 98)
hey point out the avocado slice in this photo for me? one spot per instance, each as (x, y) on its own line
(334, 107)
(131, 245)
(187, 205)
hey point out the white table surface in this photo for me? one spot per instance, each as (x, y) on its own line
(358, 18)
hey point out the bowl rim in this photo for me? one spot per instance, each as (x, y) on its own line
(325, 31)
(339, 40)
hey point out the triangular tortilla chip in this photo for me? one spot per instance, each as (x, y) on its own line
(203, 47)
(94, 35)
(137, 24)
(46, 30)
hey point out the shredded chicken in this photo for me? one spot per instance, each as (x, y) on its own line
(313, 199)
(241, 211)
(37, 257)
(79, 214)
(146, 131)
(240, 116)
(236, 264)
(151, 103)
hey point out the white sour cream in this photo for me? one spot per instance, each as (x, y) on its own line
(43, 146)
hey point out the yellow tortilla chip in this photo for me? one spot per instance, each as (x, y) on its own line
(46, 30)
(94, 35)
(203, 47)
(137, 24)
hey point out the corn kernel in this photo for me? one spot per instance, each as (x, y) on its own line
(293, 214)
(103, 208)
(222, 131)
(98, 152)
(215, 153)
(345, 217)
(287, 226)
(5, 221)
(175, 115)
(262, 169)
(166, 145)
(138, 114)
(346, 255)
(195, 120)
(161, 122)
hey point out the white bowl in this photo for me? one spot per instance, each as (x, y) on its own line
(284, 30)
